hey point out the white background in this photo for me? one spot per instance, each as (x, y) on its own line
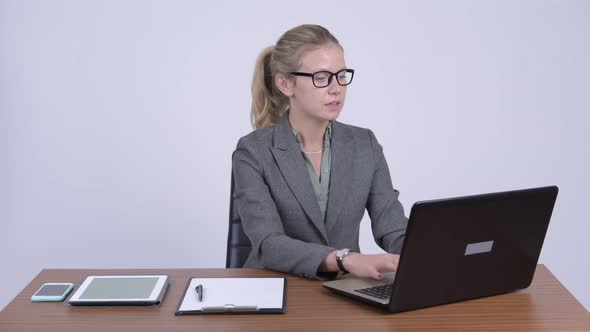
(118, 118)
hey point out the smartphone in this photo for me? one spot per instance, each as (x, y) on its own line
(52, 292)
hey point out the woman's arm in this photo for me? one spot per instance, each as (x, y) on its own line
(360, 265)
(262, 222)
(388, 221)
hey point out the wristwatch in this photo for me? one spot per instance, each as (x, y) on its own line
(340, 257)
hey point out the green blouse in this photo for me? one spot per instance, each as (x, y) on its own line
(321, 185)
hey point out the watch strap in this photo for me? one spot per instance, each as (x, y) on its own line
(340, 257)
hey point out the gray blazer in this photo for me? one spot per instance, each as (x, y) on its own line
(280, 213)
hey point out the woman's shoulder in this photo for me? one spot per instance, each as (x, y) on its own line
(355, 132)
(258, 138)
(353, 128)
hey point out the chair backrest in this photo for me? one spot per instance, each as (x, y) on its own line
(238, 244)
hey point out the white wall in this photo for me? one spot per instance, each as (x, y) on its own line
(118, 118)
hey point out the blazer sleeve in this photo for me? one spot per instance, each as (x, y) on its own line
(262, 222)
(388, 221)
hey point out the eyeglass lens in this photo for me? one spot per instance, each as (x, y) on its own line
(324, 78)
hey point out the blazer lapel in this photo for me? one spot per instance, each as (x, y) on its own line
(340, 173)
(288, 156)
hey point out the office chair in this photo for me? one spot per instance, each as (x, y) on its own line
(238, 244)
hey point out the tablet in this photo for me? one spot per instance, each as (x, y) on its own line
(133, 290)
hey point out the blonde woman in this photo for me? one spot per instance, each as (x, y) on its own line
(302, 179)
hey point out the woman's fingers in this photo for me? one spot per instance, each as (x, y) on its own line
(374, 273)
(372, 266)
(386, 263)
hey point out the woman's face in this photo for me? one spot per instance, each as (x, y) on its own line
(323, 104)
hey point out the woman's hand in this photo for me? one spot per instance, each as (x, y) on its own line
(361, 265)
(370, 265)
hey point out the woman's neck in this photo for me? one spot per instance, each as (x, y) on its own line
(311, 130)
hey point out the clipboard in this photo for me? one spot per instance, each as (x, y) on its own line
(266, 295)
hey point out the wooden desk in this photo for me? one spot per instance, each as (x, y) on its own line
(545, 306)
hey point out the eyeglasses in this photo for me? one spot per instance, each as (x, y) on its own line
(323, 78)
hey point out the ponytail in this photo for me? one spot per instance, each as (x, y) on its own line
(268, 104)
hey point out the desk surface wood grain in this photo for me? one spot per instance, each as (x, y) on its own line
(545, 306)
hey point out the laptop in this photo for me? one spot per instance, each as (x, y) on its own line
(460, 249)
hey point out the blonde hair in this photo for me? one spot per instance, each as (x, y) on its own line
(268, 102)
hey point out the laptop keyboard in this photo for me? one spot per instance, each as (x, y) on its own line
(381, 292)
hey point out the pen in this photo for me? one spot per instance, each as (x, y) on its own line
(199, 290)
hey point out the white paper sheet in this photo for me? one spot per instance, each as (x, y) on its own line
(260, 293)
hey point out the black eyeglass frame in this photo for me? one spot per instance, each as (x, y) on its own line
(312, 75)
